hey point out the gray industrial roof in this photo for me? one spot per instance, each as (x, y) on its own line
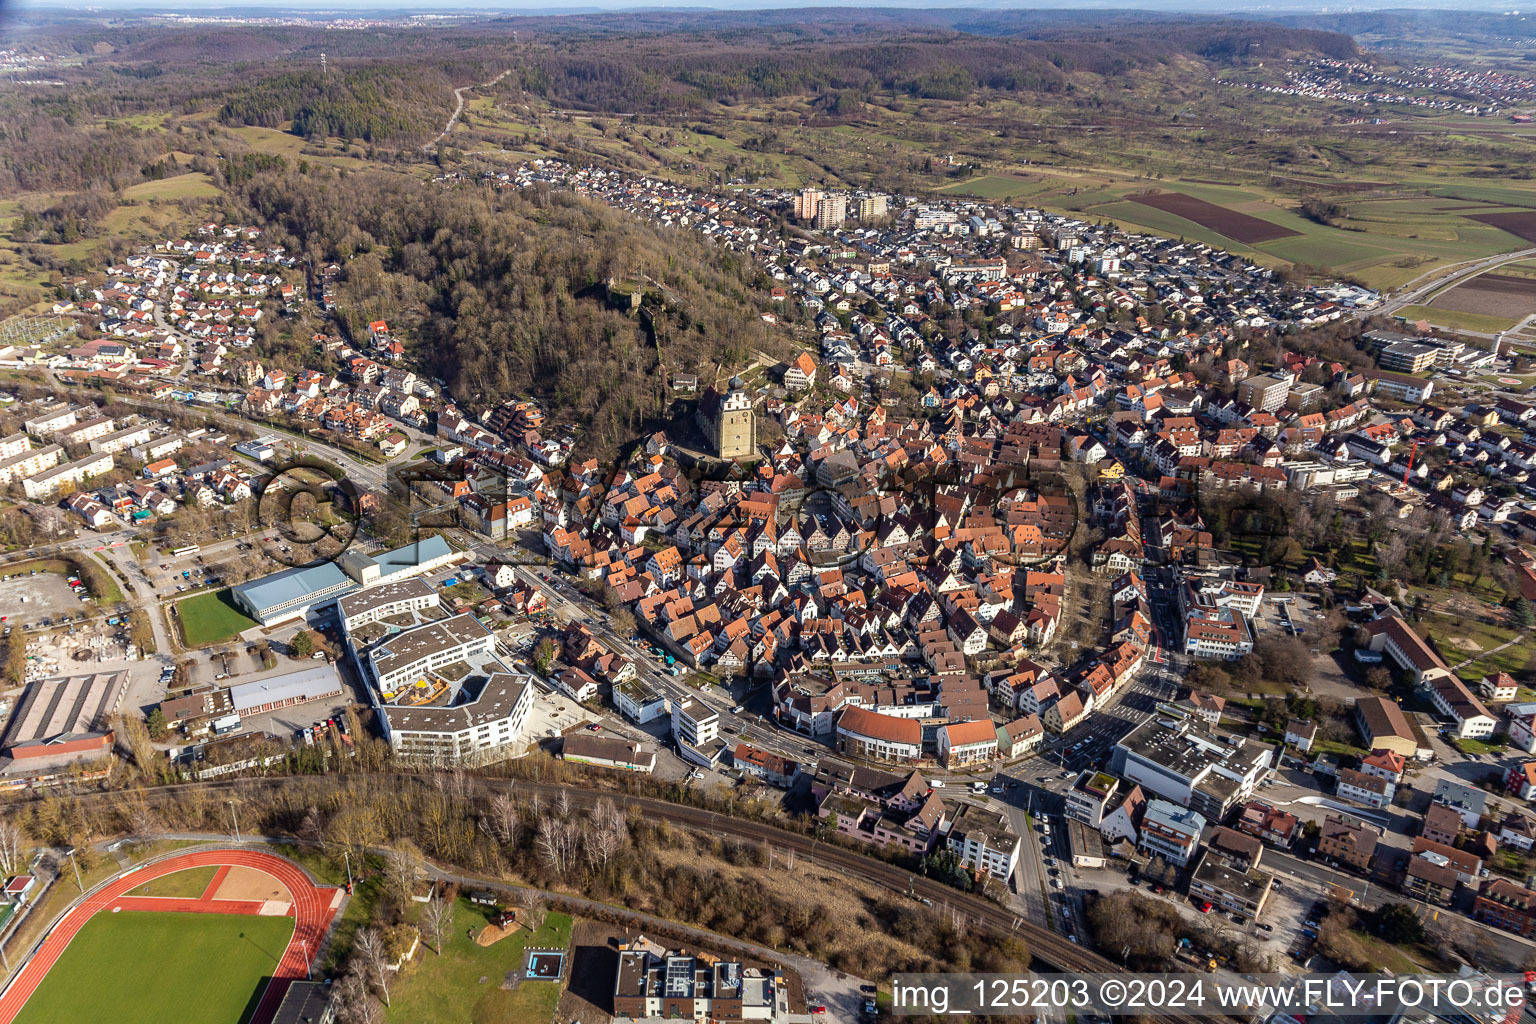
(411, 555)
(305, 684)
(292, 587)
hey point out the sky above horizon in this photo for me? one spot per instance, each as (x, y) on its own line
(387, 8)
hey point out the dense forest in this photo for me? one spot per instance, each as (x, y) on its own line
(502, 294)
(372, 104)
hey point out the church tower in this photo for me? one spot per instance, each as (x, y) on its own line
(736, 428)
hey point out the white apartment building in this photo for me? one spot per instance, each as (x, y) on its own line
(694, 723)
(1171, 832)
(637, 702)
(30, 462)
(16, 444)
(406, 658)
(50, 419)
(50, 482)
(980, 838)
(87, 430)
(485, 727)
(368, 606)
(122, 440)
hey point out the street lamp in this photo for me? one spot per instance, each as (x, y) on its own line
(234, 820)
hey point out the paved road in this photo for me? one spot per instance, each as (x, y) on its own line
(1436, 279)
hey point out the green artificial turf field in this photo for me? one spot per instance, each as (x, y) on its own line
(138, 967)
(211, 618)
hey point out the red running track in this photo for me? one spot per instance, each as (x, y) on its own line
(311, 910)
(216, 881)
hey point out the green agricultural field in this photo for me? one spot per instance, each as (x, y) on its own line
(1150, 220)
(1221, 195)
(183, 186)
(996, 186)
(1457, 320)
(137, 967)
(463, 985)
(1327, 250)
(1487, 194)
(211, 618)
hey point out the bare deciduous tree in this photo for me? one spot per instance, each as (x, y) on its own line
(608, 833)
(355, 1004)
(369, 948)
(310, 830)
(141, 818)
(530, 904)
(556, 842)
(402, 866)
(12, 842)
(435, 919)
(502, 823)
(133, 737)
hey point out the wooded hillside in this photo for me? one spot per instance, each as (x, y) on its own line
(504, 294)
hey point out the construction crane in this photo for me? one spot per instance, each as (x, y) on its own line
(1411, 453)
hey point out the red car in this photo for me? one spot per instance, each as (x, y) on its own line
(1205, 908)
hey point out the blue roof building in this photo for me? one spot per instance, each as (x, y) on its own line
(291, 594)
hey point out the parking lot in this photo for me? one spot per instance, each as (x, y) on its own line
(28, 599)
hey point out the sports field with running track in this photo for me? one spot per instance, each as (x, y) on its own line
(220, 957)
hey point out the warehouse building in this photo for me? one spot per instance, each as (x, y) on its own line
(319, 682)
(402, 563)
(72, 715)
(607, 752)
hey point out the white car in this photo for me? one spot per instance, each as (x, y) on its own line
(936, 783)
(1056, 883)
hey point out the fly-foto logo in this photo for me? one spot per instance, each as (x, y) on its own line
(309, 513)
